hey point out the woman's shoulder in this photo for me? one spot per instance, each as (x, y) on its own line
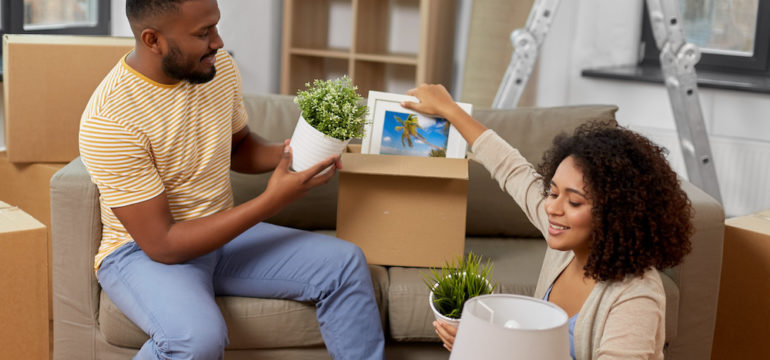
(649, 285)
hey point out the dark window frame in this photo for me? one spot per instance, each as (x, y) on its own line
(13, 21)
(758, 63)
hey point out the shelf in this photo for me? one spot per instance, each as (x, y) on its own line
(384, 45)
(330, 53)
(381, 76)
(307, 68)
(391, 59)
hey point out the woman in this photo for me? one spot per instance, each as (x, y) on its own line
(612, 212)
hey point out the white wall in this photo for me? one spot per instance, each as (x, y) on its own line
(591, 33)
(251, 31)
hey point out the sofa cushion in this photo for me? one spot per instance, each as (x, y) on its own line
(517, 265)
(273, 117)
(252, 323)
(492, 212)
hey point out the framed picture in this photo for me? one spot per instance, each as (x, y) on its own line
(394, 130)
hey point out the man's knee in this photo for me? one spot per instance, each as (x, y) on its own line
(203, 341)
(354, 257)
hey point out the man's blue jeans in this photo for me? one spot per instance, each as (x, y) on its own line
(174, 304)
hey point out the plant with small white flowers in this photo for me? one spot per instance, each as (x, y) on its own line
(333, 107)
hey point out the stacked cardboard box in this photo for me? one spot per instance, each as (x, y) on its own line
(743, 312)
(47, 82)
(23, 285)
(27, 187)
(403, 210)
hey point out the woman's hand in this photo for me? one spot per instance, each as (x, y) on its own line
(435, 100)
(446, 333)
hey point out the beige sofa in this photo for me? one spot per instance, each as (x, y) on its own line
(87, 325)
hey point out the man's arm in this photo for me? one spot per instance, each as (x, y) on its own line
(153, 228)
(253, 154)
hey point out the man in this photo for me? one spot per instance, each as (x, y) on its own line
(158, 137)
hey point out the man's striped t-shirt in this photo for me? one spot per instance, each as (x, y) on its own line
(139, 138)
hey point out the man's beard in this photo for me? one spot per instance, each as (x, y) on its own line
(174, 66)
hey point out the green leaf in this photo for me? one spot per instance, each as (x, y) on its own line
(458, 281)
(333, 107)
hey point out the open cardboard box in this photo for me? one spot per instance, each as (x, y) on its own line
(403, 210)
(743, 312)
(23, 285)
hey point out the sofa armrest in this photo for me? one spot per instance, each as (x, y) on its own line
(698, 279)
(76, 231)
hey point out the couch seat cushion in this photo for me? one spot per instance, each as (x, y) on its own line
(517, 265)
(252, 323)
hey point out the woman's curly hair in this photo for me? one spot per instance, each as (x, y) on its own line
(641, 216)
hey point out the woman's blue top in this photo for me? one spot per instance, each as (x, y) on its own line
(571, 323)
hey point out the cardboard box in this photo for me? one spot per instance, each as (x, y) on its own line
(403, 210)
(28, 187)
(47, 81)
(24, 333)
(743, 313)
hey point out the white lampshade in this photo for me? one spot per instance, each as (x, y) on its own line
(505, 326)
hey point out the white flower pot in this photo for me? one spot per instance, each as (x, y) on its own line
(310, 146)
(439, 316)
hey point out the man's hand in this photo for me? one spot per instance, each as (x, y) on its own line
(286, 186)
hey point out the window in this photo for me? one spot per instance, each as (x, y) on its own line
(80, 17)
(733, 35)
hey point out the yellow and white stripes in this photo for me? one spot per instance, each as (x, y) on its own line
(139, 138)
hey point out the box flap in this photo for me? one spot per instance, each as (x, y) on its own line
(399, 165)
(69, 40)
(757, 222)
(13, 219)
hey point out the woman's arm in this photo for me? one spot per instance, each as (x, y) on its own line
(635, 325)
(512, 171)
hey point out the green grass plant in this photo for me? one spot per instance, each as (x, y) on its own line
(333, 107)
(457, 281)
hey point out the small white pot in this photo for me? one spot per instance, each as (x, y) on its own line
(310, 146)
(439, 316)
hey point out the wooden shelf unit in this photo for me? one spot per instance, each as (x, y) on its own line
(307, 54)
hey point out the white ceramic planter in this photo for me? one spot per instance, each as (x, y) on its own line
(310, 146)
(439, 316)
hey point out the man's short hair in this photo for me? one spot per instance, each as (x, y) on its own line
(138, 10)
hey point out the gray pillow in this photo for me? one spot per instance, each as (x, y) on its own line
(273, 117)
(491, 212)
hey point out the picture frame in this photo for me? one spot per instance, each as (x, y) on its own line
(394, 130)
